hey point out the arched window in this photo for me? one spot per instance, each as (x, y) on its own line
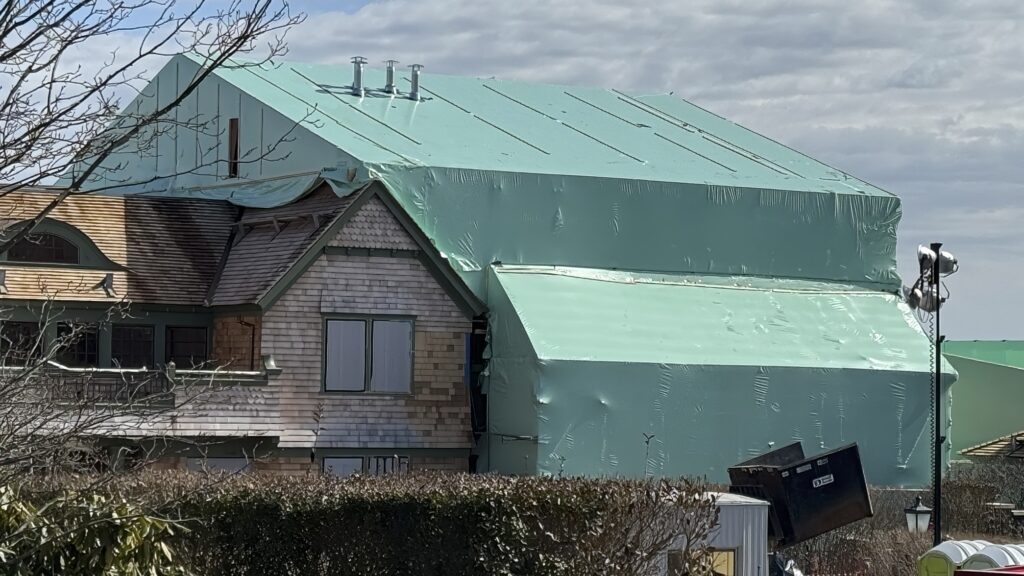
(43, 248)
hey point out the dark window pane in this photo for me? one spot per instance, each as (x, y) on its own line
(79, 345)
(233, 148)
(44, 248)
(345, 354)
(19, 342)
(392, 356)
(346, 466)
(186, 346)
(131, 346)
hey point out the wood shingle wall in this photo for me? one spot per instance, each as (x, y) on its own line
(434, 415)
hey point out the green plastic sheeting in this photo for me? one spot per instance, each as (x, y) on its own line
(767, 311)
(260, 193)
(541, 174)
(585, 362)
(1005, 352)
(987, 396)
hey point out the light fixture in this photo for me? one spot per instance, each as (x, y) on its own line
(918, 517)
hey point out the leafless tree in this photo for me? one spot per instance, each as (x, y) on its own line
(62, 119)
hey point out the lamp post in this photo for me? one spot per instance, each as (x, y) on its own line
(926, 295)
(918, 517)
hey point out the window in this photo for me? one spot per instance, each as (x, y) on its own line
(385, 346)
(723, 562)
(343, 466)
(79, 344)
(186, 346)
(131, 346)
(19, 342)
(372, 465)
(43, 249)
(384, 465)
(233, 148)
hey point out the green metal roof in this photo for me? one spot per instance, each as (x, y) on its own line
(501, 125)
(609, 316)
(1005, 352)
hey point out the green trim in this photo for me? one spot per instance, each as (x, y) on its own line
(368, 351)
(90, 257)
(296, 270)
(438, 267)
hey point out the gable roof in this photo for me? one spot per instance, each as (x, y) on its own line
(273, 247)
(528, 127)
(267, 242)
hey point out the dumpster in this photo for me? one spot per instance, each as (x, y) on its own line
(808, 496)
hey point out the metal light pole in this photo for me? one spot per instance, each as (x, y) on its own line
(939, 439)
(926, 296)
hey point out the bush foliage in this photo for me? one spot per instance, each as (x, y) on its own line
(442, 524)
(82, 533)
(421, 524)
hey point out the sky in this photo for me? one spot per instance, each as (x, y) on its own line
(923, 98)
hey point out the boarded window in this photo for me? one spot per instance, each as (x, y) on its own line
(233, 148)
(131, 346)
(43, 249)
(79, 345)
(345, 466)
(186, 346)
(345, 352)
(392, 356)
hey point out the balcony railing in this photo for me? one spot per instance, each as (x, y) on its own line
(133, 385)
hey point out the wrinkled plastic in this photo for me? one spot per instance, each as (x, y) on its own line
(585, 363)
(493, 171)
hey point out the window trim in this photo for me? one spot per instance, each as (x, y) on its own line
(90, 257)
(368, 344)
(366, 459)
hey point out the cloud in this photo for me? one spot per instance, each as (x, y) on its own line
(921, 97)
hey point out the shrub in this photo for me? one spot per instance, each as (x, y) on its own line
(435, 524)
(80, 533)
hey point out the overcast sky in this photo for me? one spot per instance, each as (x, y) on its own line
(924, 98)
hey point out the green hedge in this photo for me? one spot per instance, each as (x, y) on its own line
(447, 525)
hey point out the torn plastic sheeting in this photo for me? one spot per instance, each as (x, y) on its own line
(589, 361)
(268, 193)
(479, 217)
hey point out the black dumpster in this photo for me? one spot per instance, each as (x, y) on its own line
(808, 496)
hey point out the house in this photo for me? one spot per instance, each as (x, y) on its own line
(985, 413)
(366, 331)
(662, 291)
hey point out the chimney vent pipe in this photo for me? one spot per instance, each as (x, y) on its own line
(414, 94)
(390, 87)
(357, 76)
